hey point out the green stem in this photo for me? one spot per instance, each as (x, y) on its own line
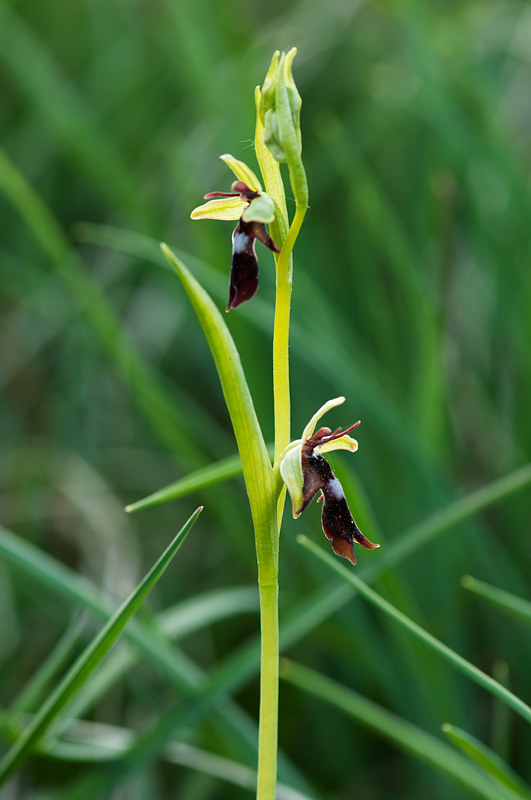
(269, 676)
(267, 555)
(281, 388)
(284, 236)
(268, 559)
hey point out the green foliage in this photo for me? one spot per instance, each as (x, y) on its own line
(88, 660)
(402, 734)
(488, 760)
(411, 298)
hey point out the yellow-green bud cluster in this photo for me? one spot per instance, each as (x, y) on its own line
(280, 109)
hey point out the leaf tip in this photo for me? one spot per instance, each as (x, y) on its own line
(166, 250)
(196, 513)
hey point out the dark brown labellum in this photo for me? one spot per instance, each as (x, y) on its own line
(337, 521)
(244, 268)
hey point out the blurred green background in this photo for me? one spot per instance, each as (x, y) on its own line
(412, 297)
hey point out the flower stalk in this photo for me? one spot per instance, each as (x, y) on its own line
(274, 96)
(300, 463)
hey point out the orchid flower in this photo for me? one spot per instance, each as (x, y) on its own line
(249, 204)
(305, 472)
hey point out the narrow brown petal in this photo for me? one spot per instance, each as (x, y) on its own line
(260, 232)
(220, 194)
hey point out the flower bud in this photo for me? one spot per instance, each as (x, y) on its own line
(280, 108)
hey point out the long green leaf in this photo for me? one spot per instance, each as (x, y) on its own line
(502, 717)
(183, 619)
(255, 460)
(468, 669)
(402, 734)
(516, 606)
(89, 659)
(223, 470)
(155, 649)
(487, 760)
(164, 657)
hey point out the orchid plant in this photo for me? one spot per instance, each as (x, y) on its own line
(299, 465)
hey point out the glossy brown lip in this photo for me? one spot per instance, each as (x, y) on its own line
(244, 267)
(338, 523)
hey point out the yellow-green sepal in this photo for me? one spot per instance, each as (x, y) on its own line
(291, 472)
(224, 208)
(242, 172)
(325, 408)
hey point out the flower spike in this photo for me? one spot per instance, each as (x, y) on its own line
(249, 204)
(305, 472)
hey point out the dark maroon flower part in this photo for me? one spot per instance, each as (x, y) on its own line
(244, 267)
(306, 472)
(337, 521)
